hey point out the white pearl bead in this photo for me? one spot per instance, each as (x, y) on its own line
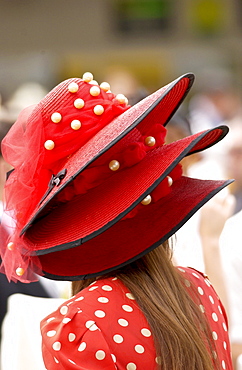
(98, 110)
(79, 103)
(56, 117)
(93, 82)
(94, 90)
(20, 271)
(150, 141)
(49, 144)
(170, 181)
(114, 165)
(76, 124)
(87, 76)
(105, 86)
(147, 200)
(73, 87)
(122, 99)
(10, 246)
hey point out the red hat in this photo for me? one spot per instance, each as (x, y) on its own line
(94, 186)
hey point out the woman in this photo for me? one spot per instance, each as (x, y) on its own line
(96, 193)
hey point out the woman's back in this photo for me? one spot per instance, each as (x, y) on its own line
(102, 327)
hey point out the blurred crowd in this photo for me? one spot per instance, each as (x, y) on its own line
(210, 240)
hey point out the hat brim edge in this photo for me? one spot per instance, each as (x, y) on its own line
(82, 240)
(150, 248)
(146, 112)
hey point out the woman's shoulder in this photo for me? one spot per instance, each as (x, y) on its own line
(102, 319)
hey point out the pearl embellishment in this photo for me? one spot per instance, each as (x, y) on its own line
(147, 200)
(170, 181)
(56, 117)
(20, 271)
(73, 87)
(49, 144)
(114, 165)
(87, 77)
(93, 82)
(105, 86)
(98, 110)
(10, 246)
(150, 141)
(122, 99)
(94, 90)
(79, 103)
(76, 124)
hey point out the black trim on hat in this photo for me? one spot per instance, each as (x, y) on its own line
(191, 78)
(149, 249)
(78, 242)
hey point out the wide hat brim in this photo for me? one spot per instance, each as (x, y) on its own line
(87, 236)
(160, 105)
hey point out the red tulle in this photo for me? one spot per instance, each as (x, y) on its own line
(23, 148)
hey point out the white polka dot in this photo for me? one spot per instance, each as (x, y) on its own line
(79, 299)
(66, 320)
(225, 326)
(100, 355)
(158, 360)
(131, 366)
(200, 290)
(215, 335)
(64, 310)
(80, 311)
(71, 337)
(123, 322)
(211, 299)
(187, 283)
(93, 288)
(127, 308)
(118, 338)
(99, 313)
(115, 278)
(103, 300)
(223, 364)
(180, 269)
(196, 275)
(215, 317)
(225, 345)
(94, 282)
(146, 332)
(50, 319)
(91, 325)
(202, 309)
(56, 346)
(130, 296)
(56, 360)
(107, 288)
(220, 310)
(51, 333)
(113, 357)
(139, 349)
(207, 282)
(68, 304)
(214, 354)
(72, 362)
(82, 347)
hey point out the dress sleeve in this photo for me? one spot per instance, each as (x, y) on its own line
(74, 342)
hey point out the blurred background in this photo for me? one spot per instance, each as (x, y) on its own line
(156, 40)
(138, 46)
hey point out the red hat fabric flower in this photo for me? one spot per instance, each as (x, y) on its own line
(94, 185)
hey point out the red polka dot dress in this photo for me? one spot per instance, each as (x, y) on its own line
(102, 327)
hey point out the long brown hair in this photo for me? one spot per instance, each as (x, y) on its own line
(182, 336)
